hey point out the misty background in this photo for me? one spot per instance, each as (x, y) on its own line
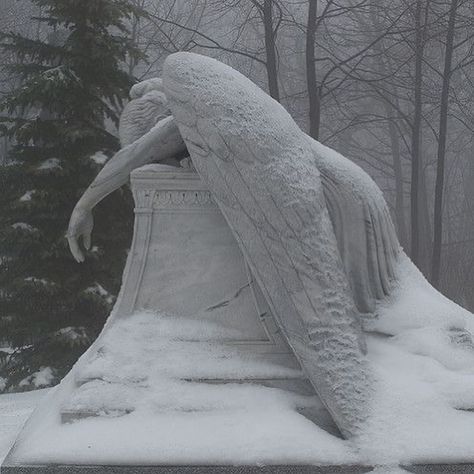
(387, 83)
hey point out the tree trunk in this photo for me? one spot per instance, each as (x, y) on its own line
(311, 80)
(416, 158)
(383, 66)
(270, 49)
(397, 168)
(426, 241)
(443, 130)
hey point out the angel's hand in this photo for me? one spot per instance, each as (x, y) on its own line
(80, 226)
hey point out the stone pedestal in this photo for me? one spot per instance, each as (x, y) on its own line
(184, 261)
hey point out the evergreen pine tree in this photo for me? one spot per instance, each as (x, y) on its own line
(71, 85)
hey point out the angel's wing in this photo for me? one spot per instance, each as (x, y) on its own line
(261, 170)
(365, 234)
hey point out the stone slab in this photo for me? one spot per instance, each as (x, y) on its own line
(463, 468)
(295, 469)
(460, 468)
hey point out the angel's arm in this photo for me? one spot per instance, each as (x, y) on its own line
(162, 142)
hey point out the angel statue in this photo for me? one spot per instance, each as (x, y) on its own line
(313, 226)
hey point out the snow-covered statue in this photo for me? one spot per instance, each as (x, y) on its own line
(313, 226)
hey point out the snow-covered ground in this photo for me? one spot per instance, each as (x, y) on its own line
(136, 377)
(14, 410)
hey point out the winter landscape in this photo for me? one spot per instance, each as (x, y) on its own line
(236, 236)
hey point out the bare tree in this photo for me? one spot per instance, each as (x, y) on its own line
(450, 47)
(416, 156)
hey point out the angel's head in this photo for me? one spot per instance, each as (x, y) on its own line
(148, 105)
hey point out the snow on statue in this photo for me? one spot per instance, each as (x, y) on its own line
(314, 227)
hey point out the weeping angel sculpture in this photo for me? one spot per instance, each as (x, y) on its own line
(313, 226)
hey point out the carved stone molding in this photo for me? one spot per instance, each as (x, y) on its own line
(164, 187)
(143, 198)
(183, 199)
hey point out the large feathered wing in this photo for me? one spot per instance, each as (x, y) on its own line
(365, 234)
(261, 170)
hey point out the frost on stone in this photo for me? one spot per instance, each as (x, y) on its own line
(261, 170)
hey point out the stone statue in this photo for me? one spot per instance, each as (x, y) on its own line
(313, 226)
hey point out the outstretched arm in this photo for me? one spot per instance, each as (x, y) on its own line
(163, 141)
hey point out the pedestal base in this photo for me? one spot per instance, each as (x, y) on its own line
(290, 469)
